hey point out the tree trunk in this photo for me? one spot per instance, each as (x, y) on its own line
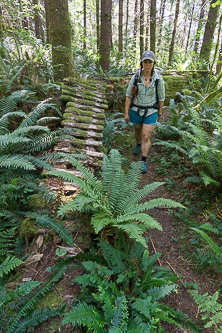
(84, 14)
(147, 27)
(161, 21)
(219, 60)
(153, 25)
(135, 22)
(209, 31)
(174, 32)
(141, 27)
(191, 20)
(120, 27)
(1, 33)
(127, 21)
(106, 32)
(200, 24)
(60, 37)
(97, 25)
(47, 21)
(36, 18)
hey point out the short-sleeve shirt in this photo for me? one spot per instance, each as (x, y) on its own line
(147, 96)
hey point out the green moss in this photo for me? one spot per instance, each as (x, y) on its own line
(37, 202)
(85, 120)
(78, 143)
(67, 116)
(100, 116)
(28, 228)
(79, 112)
(82, 133)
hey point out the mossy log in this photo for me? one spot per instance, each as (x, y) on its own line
(82, 126)
(84, 93)
(88, 84)
(77, 111)
(82, 119)
(84, 107)
(68, 98)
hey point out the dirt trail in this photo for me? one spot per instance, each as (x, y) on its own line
(172, 255)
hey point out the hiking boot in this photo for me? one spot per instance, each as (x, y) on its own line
(144, 167)
(137, 150)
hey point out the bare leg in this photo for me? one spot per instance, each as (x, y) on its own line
(147, 131)
(138, 133)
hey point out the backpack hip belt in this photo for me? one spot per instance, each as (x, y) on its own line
(143, 110)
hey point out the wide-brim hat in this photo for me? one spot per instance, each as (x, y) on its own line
(148, 55)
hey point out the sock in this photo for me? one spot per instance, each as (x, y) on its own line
(144, 158)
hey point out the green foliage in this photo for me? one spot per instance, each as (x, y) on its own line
(211, 307)
(114, 127)
(114, 201)
(198, 138)
(46, 221)
(9, 264)
(18, 310)
(122, 293)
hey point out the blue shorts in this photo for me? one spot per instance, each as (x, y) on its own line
(138, 120)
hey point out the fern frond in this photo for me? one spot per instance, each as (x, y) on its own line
(37, 317)
(86, 174)
(209, 305)
(83, 185)
(214, 247)
(119, 321)
(134, 231)
(101, 220)
(158, 293)
(159, 202)
(16, 161)
(138, 195)
(113, 257)
(82, 314)
(37, 112)
(47, 222)
(140, 217)
(9, 264)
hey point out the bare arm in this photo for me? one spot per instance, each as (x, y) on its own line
(127, 107)
(160, 110)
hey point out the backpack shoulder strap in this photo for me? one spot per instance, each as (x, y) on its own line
(156, 85)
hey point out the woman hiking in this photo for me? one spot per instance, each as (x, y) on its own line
(144, 103)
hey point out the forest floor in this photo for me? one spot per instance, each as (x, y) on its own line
(175, 255)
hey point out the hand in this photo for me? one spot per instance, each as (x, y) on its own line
(126, 118)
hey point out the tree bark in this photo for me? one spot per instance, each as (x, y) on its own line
(120, 27)
(36, 18)
(153, 25)
(147, 27)
(84, 14)
(47, 21)
(161, 20)
(141, 27)
(200, 24)
(209, 31)
(191, 20)
(60, 37)
(127, 21)
(135, 22)
(219, 60)
(106, 33)
(174, 32)
(97, 25)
